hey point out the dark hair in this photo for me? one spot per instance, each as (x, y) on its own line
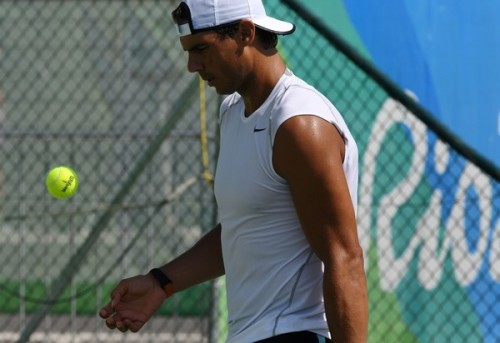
(268, 39)
(227, 30)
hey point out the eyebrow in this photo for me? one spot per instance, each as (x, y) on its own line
(195, 47)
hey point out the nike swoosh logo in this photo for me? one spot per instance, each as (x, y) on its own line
(258, 130)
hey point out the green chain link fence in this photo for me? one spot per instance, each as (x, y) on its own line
(102, 86)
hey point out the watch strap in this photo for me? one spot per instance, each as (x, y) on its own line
(163, 280)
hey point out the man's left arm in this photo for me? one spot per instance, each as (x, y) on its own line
(308, 152)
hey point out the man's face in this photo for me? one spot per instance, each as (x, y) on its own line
(217, 60)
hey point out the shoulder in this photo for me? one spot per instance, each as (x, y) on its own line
(300, 98)
(297, 87)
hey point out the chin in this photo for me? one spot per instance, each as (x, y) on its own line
(222, 91)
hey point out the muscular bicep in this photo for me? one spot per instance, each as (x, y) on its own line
(308, 152)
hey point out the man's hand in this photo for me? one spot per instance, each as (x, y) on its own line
(132, 303)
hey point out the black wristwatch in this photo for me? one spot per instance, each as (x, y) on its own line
(163, 280)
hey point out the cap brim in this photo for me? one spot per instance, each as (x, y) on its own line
(274, 25)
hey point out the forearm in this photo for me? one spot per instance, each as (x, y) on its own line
(346, 302)
(201, 263)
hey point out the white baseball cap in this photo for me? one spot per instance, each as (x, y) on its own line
(193, 16)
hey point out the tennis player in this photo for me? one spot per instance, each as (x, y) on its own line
(286, 189)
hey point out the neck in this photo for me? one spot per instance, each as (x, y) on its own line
(260, 83)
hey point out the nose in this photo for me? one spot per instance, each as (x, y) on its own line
(194, 64)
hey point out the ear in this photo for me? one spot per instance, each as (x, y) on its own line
(247, 31)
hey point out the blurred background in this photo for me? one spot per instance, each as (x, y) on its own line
(445, 52)
(102, 86)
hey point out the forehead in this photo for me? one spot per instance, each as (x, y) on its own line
(190, 42)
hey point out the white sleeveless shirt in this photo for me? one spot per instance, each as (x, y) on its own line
(273, 278)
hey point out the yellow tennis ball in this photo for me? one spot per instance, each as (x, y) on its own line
(62, 182)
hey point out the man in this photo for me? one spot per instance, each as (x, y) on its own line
(285, 185)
